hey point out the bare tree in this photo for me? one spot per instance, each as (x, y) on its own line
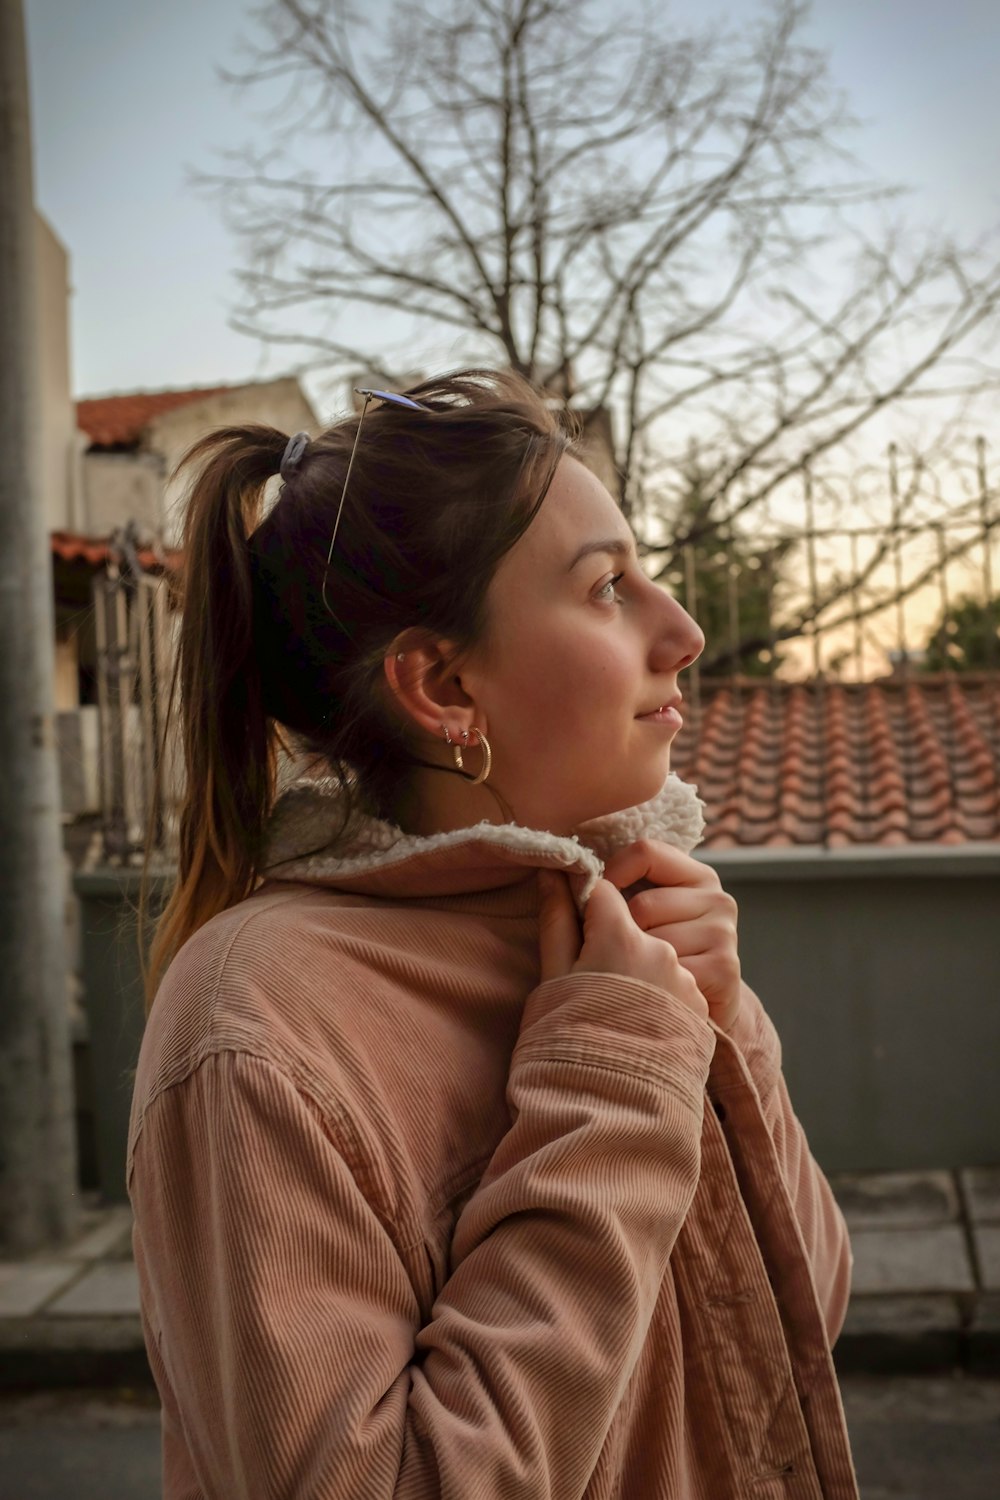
(657, 221)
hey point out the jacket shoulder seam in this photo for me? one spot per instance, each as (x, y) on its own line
(333, 1120)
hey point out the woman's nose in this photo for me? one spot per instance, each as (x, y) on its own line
(683, 635)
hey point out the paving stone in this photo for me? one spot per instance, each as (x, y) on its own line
(902, 1315)
(982, 1188)
(911, 1260)
(987, 1238)
(106, 1290)
(27, 1286)
(887, 1200)
(111, 1234)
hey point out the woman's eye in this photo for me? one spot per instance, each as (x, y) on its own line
(602, 592)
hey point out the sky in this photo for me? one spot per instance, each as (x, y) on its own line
(126, 99)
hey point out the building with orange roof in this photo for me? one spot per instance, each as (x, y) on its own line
(134, 441)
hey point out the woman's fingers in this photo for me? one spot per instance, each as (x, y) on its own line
(659, 863)
(702, 935)
(662, 908)
(675, 898)
(658, 908)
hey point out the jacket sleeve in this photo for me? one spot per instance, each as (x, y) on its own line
(824, 1231)
(282, 1320)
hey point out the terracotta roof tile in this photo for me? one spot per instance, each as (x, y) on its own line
(95, 551)
(891, 762)
(118, 421)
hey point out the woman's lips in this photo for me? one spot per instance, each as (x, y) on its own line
(667, 716)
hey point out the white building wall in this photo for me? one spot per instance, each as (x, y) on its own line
(120, 487)
(60, 440)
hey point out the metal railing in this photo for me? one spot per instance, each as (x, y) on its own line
(856, 601)
(136, 633)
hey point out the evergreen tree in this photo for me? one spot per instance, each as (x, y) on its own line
(966, 637)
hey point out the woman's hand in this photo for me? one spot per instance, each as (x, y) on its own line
(682, 901)
(610, 942)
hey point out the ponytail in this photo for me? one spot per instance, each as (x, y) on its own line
(229, 744)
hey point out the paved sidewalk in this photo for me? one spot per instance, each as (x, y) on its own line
(926, 1286)
(926, 1292)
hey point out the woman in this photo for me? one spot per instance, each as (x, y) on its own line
(461, 1158)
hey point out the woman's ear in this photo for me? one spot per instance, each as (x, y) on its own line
(424, 677)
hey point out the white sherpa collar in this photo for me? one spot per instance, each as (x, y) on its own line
(307, 816)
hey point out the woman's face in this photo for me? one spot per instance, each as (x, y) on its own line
(576, 656)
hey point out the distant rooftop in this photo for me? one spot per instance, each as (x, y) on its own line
(897, 761)
(97, 552)
(118, 421)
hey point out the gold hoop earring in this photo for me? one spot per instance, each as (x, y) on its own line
(487, 754)
(456, 751)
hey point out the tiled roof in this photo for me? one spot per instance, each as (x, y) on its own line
(118, 421)
(96, 550)
(892, 762)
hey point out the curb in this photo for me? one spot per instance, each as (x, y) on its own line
(902, 1353)
(51, 1353)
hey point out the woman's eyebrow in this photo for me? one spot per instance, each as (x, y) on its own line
(614, 544)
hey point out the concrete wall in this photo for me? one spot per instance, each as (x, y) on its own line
(881, 972)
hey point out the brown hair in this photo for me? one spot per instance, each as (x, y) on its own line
(434, 502)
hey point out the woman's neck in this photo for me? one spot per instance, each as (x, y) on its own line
(436, 799)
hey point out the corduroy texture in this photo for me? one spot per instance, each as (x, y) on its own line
(410, 1223)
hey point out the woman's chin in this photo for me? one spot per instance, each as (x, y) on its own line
(646, 786)
(638, 791)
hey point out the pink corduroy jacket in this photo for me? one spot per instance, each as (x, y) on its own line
(409, 1223)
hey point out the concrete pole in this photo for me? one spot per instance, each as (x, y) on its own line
(37, 1147)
